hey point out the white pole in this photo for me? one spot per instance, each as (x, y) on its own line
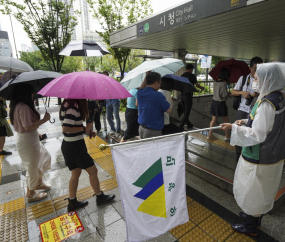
(160, 137)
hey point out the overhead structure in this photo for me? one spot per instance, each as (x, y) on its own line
(230, 28)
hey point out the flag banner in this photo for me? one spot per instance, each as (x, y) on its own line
(151, 178)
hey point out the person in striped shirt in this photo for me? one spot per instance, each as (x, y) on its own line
(72, 114)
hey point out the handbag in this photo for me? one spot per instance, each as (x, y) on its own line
(237, 99)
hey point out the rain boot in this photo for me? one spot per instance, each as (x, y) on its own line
(249, 226)
(243, 216)
(74, 204)
(102, 198)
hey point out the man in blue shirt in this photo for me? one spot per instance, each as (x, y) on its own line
(152, 105)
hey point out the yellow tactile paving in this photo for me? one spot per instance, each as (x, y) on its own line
(97, 155)
(93, 150)
(13, 227)
(216, 142)
(196, 235)
(218, 228)
(189, 199)
(237, 237)
(60, 203)
(87, 192)
(40, 210)
(198, 213)
(181, 230)
(12, 206)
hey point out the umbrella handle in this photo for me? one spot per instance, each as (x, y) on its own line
(52, 121)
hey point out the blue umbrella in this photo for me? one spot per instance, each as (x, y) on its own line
(180, 83)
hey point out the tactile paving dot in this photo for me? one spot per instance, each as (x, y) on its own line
(12, 206)
(189, 199)
(13, 227)
(217, 228)
(198, 213)
(237, 237)
(182, 229)
(196, 235)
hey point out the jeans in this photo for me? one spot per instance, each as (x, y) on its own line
(187, 104)
(110, 109)
(240, 115)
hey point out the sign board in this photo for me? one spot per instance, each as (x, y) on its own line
(206, 62)
(61, 228)
(186, 13)
(207, 106)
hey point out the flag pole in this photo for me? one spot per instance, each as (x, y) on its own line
(103, 146)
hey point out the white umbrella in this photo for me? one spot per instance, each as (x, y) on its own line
(84, 48)
(135, 77)
(14, 65)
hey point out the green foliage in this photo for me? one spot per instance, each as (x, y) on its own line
(208, 89)
(36, 61)
(123, 104)
(48, 24)
(217, 59)
(116, 14)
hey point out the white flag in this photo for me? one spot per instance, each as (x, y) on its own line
(151, 178)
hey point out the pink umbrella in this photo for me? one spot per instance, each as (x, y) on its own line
(85, 85)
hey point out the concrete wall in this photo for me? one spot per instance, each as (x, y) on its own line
(200, 115)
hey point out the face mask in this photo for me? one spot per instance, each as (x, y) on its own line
(255, 87)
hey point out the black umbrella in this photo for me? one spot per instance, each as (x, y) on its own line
(179, 83)
(38, 79)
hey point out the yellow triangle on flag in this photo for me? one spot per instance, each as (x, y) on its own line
(155, 204)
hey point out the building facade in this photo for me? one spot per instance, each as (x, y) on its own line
(5, 46)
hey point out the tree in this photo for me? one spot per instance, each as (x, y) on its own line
(48, 24)
(36, 61)
(116, 14)
(217, 59)
(134, 61)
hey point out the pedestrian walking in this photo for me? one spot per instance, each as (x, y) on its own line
(262, 136)
(187, 97)
(35, 157)
(72, 114)
(219, 107)
(244, 89)
(113, 107)
(131, 116)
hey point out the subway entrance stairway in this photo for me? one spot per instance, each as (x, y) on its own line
(211, 205)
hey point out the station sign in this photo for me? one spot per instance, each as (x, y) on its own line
(61, 228)
(189, 12)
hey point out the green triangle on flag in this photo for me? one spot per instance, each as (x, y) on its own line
(155, 204)
(149, 174)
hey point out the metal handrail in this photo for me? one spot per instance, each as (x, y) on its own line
(209, 88)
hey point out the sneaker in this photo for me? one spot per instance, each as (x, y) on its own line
(111, 132)
(118, 136)
(3, 152)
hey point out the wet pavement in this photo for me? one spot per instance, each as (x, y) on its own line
(211, 210)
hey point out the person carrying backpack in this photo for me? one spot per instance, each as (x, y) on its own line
(244, 89)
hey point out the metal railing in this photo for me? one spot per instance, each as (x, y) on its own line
(209, 88)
